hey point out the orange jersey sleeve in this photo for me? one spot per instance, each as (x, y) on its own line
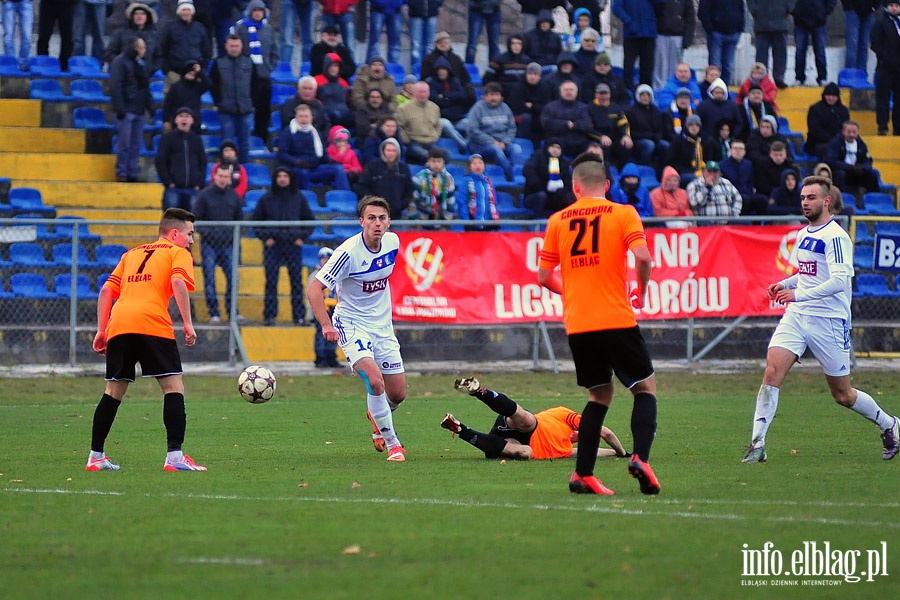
(142, 285)
(551, 438)
(589, 240)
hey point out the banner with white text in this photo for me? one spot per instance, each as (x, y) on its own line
(491, 278)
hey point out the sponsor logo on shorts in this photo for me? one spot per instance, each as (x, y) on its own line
(808, 268)
(390, 365)
(374, 286)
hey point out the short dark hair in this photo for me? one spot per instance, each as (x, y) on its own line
(777, 146)
(492, 88)
(588, 168)
(234, 36)
(174, 218)
(436, 152)
(370, 200)
(385, 118)
(223, 167)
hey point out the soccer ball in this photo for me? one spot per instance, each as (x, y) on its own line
(256, 384)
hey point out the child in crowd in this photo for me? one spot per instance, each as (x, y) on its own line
(238, 172)
(434, 191)
(759, 75)
(480, 196)
(340, 152)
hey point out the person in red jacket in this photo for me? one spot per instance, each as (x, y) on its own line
(236, 170)
(340, 152)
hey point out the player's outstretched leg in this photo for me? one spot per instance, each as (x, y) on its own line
(377, 438)
(468, 385)
(766, 405)
(491, 445)
(890, 438)
(500, 403)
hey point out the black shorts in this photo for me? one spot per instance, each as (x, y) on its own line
(599, 354)
(501, 429)
(158, 356)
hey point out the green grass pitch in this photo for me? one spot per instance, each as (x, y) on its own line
(296, 504)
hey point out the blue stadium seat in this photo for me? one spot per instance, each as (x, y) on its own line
(862, 235)
(474, 74)
(251, 199)
(62, 286)
(90, 117)
(28, 255)
(526, 145)
(101, 280)
(863, 257)
(62, 256)
(311, 198)
(342, 232)
(282, 92)
(45, 66)
(108, 255)
(648, 176)
(451, 148)
(342, 201)
(884, 228)
(284, 73)
(210, 121)
(156, 91)
(41, 232)
(4, 295)
(87, 90)
(275, 122)
(155, 124)
(397, 71)
(65, 228)
(318, 236)
(855, 79)
(305, 68)
(29, 200)
(86, 66)
(507, 208)
(878, 203)
(30, 285)
(9, 67)
(47, 89)
(498, 178)
(258, 175)
(258, 148)
(873, 285)
(310, 256)
(212, 144)
(456, 171)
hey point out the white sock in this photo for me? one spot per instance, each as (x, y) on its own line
(867, 407)
(766, 403)
(381, 413)
(97, 455)
(175, 455)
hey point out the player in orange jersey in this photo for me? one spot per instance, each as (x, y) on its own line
(134, 326)
(589, 242)
(518, 433)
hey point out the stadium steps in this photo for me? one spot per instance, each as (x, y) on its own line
(44, 164)
(26, 139)
(20, 113)
(268, 344)
(88, 195)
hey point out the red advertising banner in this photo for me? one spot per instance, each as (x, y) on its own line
(491, 278)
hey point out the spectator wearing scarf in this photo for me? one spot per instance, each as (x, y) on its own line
(261, 46)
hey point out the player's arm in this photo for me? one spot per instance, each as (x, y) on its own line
(315, 292)
(183, 300)
(550, 279)
(104, 306)
(643, 266)
(607, 435)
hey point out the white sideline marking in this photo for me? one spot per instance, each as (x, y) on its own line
(224, 560)
(592, 508)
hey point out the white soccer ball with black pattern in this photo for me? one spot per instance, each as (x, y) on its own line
(256, 384)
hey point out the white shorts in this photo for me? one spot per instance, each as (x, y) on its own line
(358, 342)
(827, 337)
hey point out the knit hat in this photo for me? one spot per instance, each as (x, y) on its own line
(341, 134)
(754, 86)
(441, 35)
(474, 156)
(325, 252)
(376, 59)
(693, 119)
(683, 92)
(831, 89)
(410, 79)
(773, 121)
(256, 5)
(188, 66)
(534, 67)
(185, 109)
(151, 14)
(602, 59)
(228, 144)
(602, 88)
(182, 4)
(333, 30)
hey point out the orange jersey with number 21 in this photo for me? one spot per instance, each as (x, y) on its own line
(589, 240)
(142, 284)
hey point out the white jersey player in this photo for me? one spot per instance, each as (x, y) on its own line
(359, 270)
(817, 317)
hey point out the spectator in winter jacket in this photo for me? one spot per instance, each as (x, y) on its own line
(385, 127)
(422, 25)
(609, 126)
(670, 200)
(492, 129)
(306, 94)
(527, 100)
(753, 109)
(260, 44)
(738, 169)
(760, 141)
(886, 46)
(370, 76)
(716, 107)
(141, 23)
(301, 148)
(483, 14)
(568, 120)
(711, 195)
(217, 202)
(283, 246)
(444, 49)
(682, 78)
(771, 23)
(629, 190)
(187, 91)
(548, 181)
(231, 85)
(717, 147)
(331, 43)
(181, 162)
(785, 199)
(183, 39)
(236, 170)
(541, 43)
(639, 33)
(824, 120)
(420, 124)
(129, 88)
(481, 197)
(566, 70)
(602, 73)
(676, 21)
(849, 159)
(810, 20)
(385, 14)
(450, 96)
(509, 67)
(332, 91)
(388, 177)
(676, 113)
(685, 153)
(646, 127)
(434, 191)
(342, 14)
(586, 54)
(723, 22)
(759, 75)
(367, 116)
(340, 153)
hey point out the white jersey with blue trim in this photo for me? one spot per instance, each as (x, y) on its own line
(819, 254)
(360, 277)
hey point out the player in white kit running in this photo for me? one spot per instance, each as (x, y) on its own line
(817, 317)
(359, 270)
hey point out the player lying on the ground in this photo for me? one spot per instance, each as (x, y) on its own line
(517, 433)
